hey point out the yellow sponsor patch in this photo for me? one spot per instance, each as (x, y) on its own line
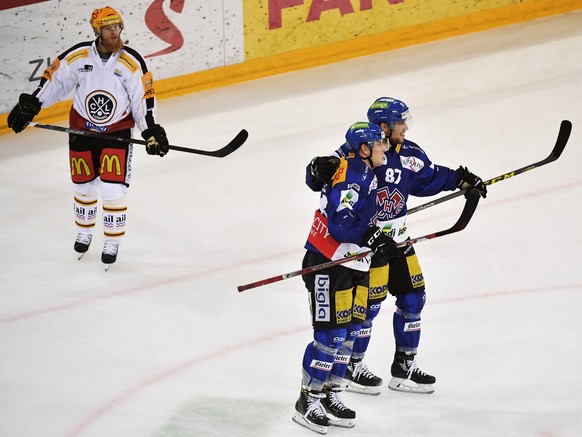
(77, 55)
(147, 81)
(416, 276)
(128, 62)
(110, 164)
(340, 173)
(360, 302)
(79, 167)
(48, 73)
(343, 306)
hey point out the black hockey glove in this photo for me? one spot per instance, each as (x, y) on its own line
(323, 168)
(380, 243)
(157, 140)
(470, 180)
(27, 108)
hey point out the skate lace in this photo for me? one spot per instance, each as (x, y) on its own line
(83, 238)
(314, 407)
(336, 400)
(361, 369)
(413, 368)
(110, 248)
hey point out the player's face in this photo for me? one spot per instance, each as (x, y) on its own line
(385, 128)
(378, 151)
(398, 132)
(111, 38)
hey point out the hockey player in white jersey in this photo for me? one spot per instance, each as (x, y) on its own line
(113, 92)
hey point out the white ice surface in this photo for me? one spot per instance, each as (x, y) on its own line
(164, 345)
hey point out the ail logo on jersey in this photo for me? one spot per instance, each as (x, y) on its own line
(100, 106)
(412, 163)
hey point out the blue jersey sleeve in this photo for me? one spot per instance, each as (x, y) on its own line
(433, 178)
(351, 202)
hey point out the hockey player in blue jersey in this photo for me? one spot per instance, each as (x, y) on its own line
(343, 225)
(406, 170)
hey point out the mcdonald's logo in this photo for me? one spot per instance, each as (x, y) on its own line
(79, 164)
(107, 164)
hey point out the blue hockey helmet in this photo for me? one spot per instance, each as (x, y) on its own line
(363, 132)
(388, 110)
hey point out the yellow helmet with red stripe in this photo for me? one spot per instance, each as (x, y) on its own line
(106, 16)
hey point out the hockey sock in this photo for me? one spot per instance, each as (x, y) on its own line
(85, 212)
(319, 357)
(114, 218)
(406, 321)
(342, 358)
(363, 339)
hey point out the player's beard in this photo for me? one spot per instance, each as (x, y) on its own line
(112, 45)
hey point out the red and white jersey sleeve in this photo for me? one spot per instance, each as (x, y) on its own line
(109, 96)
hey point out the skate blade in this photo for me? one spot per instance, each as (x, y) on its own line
(341, 423)
(365, 390)
(107, 266)
(80, 255)
(300, 419)
(408, 386)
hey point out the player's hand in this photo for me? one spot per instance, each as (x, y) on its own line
(470, 180)
(27, 108)
(157, 142)
(322, 168)
(380, 243)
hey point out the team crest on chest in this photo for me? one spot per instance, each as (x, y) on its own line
(100, 106)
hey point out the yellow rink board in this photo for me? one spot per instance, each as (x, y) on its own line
(274, 41)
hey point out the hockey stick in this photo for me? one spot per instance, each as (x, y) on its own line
(471, 203)
(561, 141)
(234, 144)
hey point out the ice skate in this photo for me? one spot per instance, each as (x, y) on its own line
(82, 243)
(361, 380)
(337, 413)
(407, 377)
(109, 255)
(310, 413)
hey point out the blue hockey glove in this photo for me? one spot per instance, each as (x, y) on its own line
(27, 108)
(470, 180)
(157, 140)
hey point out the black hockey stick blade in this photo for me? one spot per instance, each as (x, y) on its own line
(561, 141)
(471, 203)
(233, 145)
